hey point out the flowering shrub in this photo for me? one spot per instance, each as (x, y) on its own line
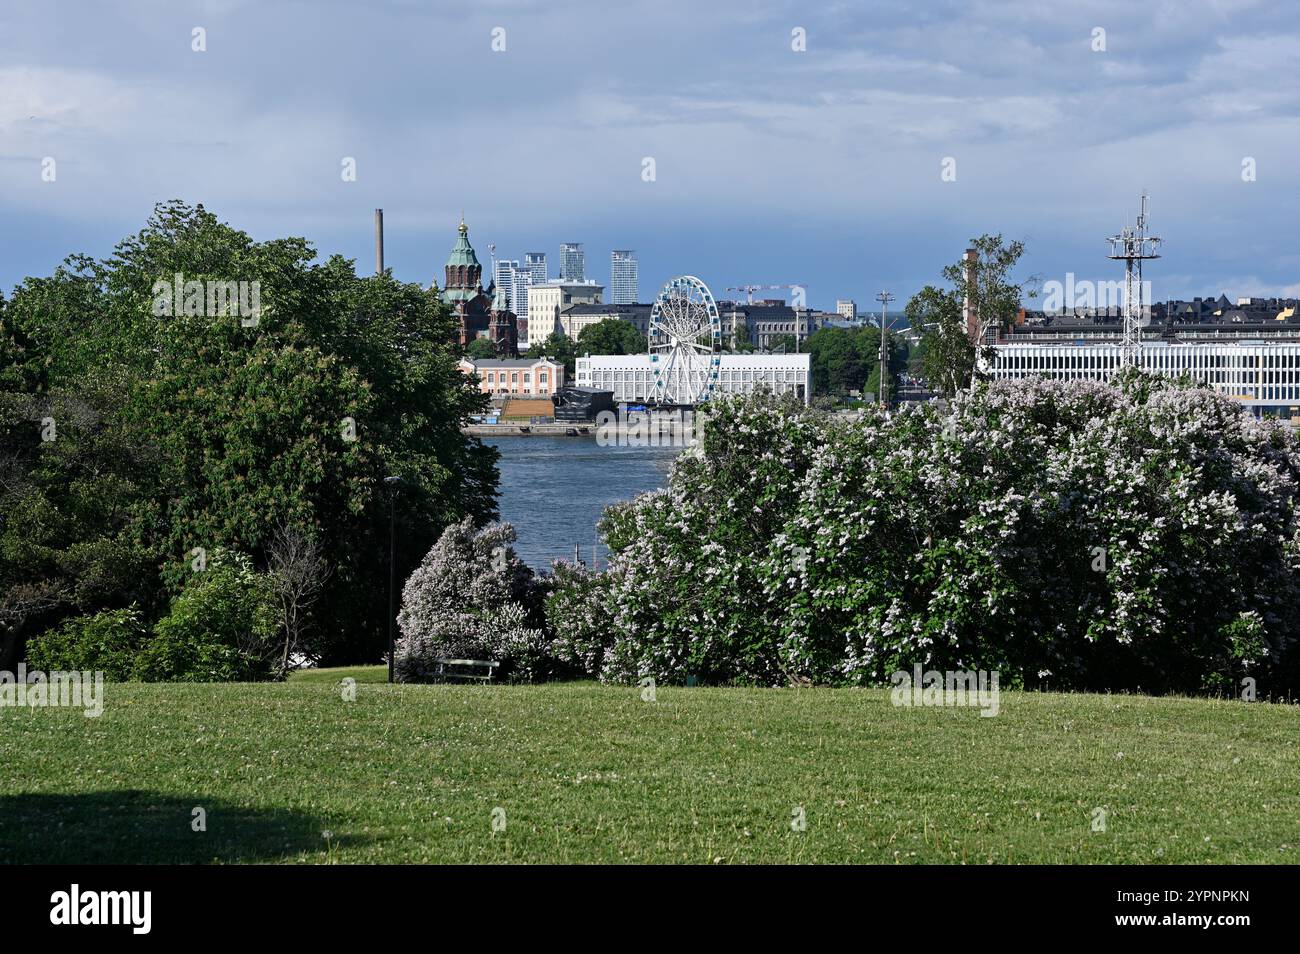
(579, 616)
(684, 586)
(1139, 534)
(472, 598)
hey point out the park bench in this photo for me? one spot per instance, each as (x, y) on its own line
(465, 670)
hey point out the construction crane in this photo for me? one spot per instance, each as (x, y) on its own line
(750, 289)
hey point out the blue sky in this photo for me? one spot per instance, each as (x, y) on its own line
(772, 165)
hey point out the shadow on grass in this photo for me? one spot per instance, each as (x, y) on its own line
(133, 827)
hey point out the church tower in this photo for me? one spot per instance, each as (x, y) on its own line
(463, 289)
(502, 328)
(464, 273)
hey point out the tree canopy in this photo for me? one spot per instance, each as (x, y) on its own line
(611, 336)
(174, 428)
(848, 359)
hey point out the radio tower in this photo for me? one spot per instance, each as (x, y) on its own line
(1134, 246)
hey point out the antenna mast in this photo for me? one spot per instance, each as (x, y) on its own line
(1134, 246)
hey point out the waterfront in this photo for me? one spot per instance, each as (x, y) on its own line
(554, 489)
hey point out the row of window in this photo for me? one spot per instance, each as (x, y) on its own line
(617, 382)
(1253, 384)
(499, 377)
(1149, 358)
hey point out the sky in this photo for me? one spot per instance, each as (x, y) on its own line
(792, 143)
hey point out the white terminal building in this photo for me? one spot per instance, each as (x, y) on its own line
(1250, 352)
(632, 376)
(1258, 366)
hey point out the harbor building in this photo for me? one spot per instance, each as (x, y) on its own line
(632, 378)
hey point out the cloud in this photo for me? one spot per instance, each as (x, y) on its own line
(1052, 140)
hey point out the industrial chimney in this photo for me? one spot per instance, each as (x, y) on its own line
(379, 241)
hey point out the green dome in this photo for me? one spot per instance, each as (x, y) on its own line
(463, 253)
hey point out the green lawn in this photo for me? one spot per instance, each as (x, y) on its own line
(335, 676)
(593, 773)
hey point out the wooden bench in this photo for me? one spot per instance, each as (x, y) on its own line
(465, 670)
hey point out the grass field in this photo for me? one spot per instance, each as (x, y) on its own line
(584, 773)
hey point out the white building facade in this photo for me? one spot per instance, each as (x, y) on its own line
(503, 276)
(1263, 375)
(546, 301)
(631, 379)
(522, 280)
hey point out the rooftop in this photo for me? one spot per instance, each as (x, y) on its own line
(462, 253)
(507, 362)
(586, 308)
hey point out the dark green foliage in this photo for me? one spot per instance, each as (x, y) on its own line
(848, 359)
(107, 642)
(179, 431)
(559, 348)
(611, 336)
(222, 627)
(480, 349)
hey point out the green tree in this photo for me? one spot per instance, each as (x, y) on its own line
(946, 355)
(240, 424)
(985, 283)
(611, 336)
(79, 495)
(481, 349)
(848, 359)
(557, 347)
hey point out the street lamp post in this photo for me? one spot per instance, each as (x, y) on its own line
(393, 483)
(884, 298)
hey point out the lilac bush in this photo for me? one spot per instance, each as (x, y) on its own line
(1132, 535)
(471, 598)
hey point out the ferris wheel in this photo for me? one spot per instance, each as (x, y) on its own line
(685, 342)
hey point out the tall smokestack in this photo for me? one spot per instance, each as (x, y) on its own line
(379, 241)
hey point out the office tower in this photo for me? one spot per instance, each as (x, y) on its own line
(504, 276)
(846, 308)
(535, 263)
(572, 266)
(519, 293)
(622, 277)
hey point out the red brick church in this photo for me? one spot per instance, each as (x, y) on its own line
(479, 314)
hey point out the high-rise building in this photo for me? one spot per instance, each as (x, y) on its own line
(523, 279)
(535, 263)
(622, 277)
(572, 266)
(846, 308)
(504, 277)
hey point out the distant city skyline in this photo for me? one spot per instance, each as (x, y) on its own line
(771, 161)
